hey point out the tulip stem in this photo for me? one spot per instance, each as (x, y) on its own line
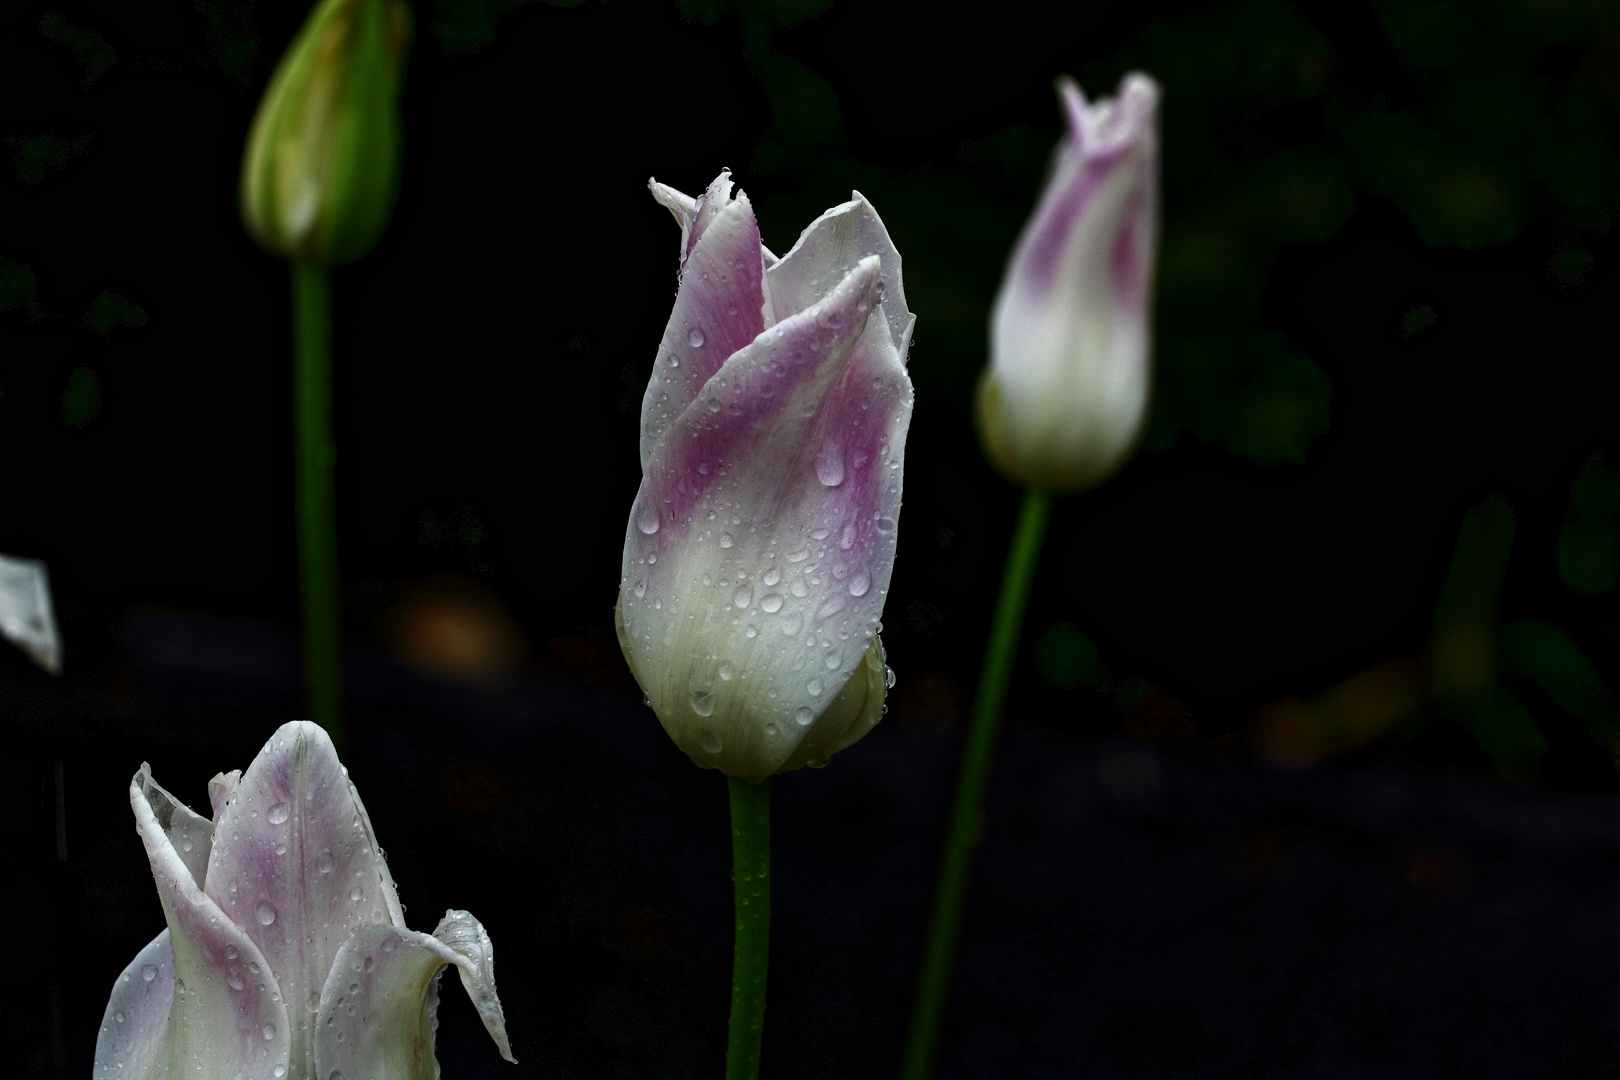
(962, 827)
(315, 498)
(751, 856)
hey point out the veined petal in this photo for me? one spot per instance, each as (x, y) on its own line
(718, 309)
(302, 867)
(227, 1016)
(378, 1009)
(191, 834)
(25, 611)
(133, 1041)
(761, 543)
(825, 252)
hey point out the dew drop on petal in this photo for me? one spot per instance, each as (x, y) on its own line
(278, 813)
(269, 1031)
(709, 741)
(725, 540)
(281, 1070)
(803, 716)
(703, 702)
(266, 915)
(355, 894)
(885, 524)
(234, 979)
(744, 595)
(814, 687)
(724, 671)
(231, 953)
(325, 862)
(771, 603)
(772, 576)
(119, 1016)
(860, 583)
(695, 338)
(830, 465)
(647, 518)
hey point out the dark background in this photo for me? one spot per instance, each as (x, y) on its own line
(1369, 545)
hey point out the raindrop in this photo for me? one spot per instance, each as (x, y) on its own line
(266, 914)
(278, 813)
(325, 862)
(281, 1070)
(772, 576)
(725, 671)
(234, 979)
(354, 988)
(830, 465)
(269, 1031)
(725, 540)
(821, 534)
(709, 741)
(186, 844)
(800, 555)
(703, 466)
(847, 541)
(695, 338)
(799, 588)
(744, 595)
(734, 409)
(647, 519)
(889, 678)
(355, 894)
(674, 361)
(771, 603)
(641, 588)
(885, 524)
(750, 631)
(703, 702)
(833, 661)
(231, 953)
(803, 716)
(830, 608)
(119, 1016)
(860, 583)
(336, 1075)
(281, 848)
(790, 625)
(371, 962)
(814, 686)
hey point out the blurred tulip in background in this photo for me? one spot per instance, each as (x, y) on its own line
(26, 615)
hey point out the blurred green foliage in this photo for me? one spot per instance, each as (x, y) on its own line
(81, 397)
(112, 311)
(1589, 542)
(93, 54)
(1067, 659)
(19, 290)
(37, 157)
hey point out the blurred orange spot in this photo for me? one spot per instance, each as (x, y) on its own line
(454, 628)
(1295, 732)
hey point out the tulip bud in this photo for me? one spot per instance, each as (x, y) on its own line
(1063, 400)
(323, 157)
(760, 545)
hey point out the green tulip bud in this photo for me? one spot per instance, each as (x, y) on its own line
(323, 157)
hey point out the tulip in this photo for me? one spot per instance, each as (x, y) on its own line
(760, 545)
(322, 161)
(286, 953)
(25, 611)
(1062, 403)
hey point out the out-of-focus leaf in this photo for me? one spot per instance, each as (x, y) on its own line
(1354, 714)
(1589, 542)
(1067, 658)
(1548, 657)
(1508, 734)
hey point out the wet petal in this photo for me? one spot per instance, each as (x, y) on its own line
(191, 834)
(298, 865)
(762, 541)
(133, 1041)
(718, 309)
(26, 617)
(827, 250)
(227, 1016)
(377, 1011)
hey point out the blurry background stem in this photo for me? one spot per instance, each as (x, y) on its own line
(751, 856)
(962, 828)
(317, 514)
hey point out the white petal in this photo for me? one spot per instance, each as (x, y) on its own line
(191, 834)
(377, 1013)
(25, 611)
(133, 1041)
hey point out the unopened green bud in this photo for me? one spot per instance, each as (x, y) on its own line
(323, 157)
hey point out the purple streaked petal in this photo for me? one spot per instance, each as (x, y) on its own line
(227, 1014)
(718, 310)
(302, 867)
(133, 1042)
(763, 535)
(694, 215)
(377, 1010)
(825, 252)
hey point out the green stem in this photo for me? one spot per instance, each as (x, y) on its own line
(751, 854)
(962, 828)
(316, 502)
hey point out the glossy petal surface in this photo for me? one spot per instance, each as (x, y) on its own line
(298, 866)
(134, 1031)
(377, 1011)
(762, 540)
(227, 1015)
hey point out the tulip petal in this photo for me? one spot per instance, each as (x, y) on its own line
(25, 611)
(825, 252)
(378, 1010)
(227, 1015)
(761, 543)
(191, 834)
(133, 1041)
(719, 307)
(302, 867)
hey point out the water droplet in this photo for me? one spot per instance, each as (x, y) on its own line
(860, 583)
(119, 1016)
(744, 595)
(847, 541)
(355, 894)
(734, 409)
(799, 588)
(647, 519)
(354, 988)
(278, 813)
(231, 953)
(281, 847)
(833, 661)
(830, 465)
(885, 524)
(281, 1070)
(703, 466)
(709, 741)
(821, 534)
(772, 576)
(674, 361)
(725, 540)
(889, 678)
(703, 702)
(803, 716)
(269, 1031)
(695, 338)
(750, 631)
(371, 962)
(234, 979)
(253, 966)
(830, 608)
(800, 555)
(771, 730)
(641, 588)
(266, 914)
(725, 671)
(771, 603)
(790, 625)
(186, 844)
(814, 686)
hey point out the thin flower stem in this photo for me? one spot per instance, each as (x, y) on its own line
(751, 855)
(962, 828)
(316, 502)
